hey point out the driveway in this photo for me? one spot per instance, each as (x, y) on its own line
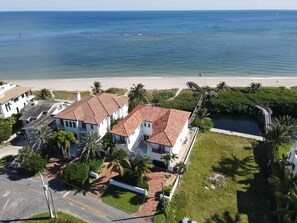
(9, 150)
(22, 198)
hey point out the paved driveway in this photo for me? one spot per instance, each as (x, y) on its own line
(22, 198)
(9, 150)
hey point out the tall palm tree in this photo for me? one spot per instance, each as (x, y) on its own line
(137, 95)
(254, 87)
(96, 88)
(64, 140)
(142, 166)
(168, 158)
(119, 161)
(277, 136)
(90, 146)
(222, 86)
(202, 113)
(40, 136)
(288, 122)
(45, 94)
(181, 168)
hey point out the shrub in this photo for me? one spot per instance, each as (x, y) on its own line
(143, 184)
(67, 158)
(118, 91)
(6, 125)
(76, 173)
(95, 165)
(128, 178)
(167, 190)
(34, 164)
(203, 124)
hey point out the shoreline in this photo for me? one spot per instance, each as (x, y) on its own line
(83, 84)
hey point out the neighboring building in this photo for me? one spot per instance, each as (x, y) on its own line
(92, 113)
(13, 99)
(152, 131)
(39, 113)
(292, 158)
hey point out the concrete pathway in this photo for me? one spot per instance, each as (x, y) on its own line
(177, 93)
(259, 138)
(9, 150)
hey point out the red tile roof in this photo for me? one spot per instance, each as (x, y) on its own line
(93, 109)
(167, 123)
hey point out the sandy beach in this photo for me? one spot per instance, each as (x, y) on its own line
(83, 84)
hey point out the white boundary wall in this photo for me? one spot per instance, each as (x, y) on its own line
(128, 187)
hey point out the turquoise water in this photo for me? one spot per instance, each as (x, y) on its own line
(40, 45)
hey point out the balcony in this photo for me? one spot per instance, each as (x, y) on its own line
(159, 150)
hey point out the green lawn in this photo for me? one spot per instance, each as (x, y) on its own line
(122, 199)
(244, 190)
(44, 218)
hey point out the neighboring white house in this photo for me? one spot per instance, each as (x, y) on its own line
(152, 131)
(92, 113)
(39, 113)
(292, 158)
(13, 99)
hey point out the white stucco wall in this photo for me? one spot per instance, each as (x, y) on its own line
(134, 139)
(292, 158)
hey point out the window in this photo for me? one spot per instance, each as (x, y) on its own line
(144, 124)
(70, 123)
(61, 122)
(23, 95)
(83, 125)
(148, 125)
(146, 137)
(66, 123)
(16, 99)
(92, 127)
(74, 125)
(293, 166)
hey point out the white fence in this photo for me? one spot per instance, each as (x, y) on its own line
(128, 187)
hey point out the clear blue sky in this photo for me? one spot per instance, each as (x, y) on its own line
(23, 5)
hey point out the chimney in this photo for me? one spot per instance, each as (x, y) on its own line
(77, 94)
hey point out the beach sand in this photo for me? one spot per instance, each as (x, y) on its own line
(84, 84)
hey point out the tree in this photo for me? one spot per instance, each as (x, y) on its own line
(108, 144)
(76, 173)
(45, 94)
(96, 88)
(25, 154)
(142, 166)
(137, 95)
(90, 146)
(2, 83)
(254, 87)
(34, 164)
(288, 122)
(119, 161)
(222, 86)
(6, 126)
(168, 157)
(40, 136)
(64, 140)
(181, 168)
(202, 113)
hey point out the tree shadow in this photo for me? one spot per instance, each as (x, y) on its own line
(137, 199)
(233, 166)
(256, 199)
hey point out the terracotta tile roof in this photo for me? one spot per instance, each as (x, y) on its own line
(167, 123)
(13, 93)
(93, 109)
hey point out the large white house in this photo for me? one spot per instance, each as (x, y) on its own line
(92, 113)
(152, 131)
(292, 158)
(13, 99)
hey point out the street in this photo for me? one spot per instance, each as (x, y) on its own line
(22, 198)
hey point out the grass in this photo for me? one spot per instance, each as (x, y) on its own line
(5, 160)
(44, 218)
(243, 192)
(118, 91)
(122, 199)
(68, 95)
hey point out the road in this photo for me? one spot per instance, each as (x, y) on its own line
(22, 198)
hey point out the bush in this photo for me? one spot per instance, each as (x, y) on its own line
(128, 178)
(118, 91)
(167, 190)
(203, 124)
(76, 173)
(34, 164)
(6, 125)
(156, 96)
(143, 184)
(95, 165)
(67, 158)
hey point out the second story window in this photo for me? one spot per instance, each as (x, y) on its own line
(92, 127)
(74, 125)
(70, 123)
(66, 123)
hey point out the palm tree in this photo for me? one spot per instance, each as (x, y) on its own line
(64, 140)
(120, 160)
(96, 88)
(168, 158)
(181, 168)
(142, 166)
(40, 137)
(202, 113)
(288, 122)
(277, 136)
(137, 95)
(254, 87)
(90, 146)
(222, 86)
(45, 94)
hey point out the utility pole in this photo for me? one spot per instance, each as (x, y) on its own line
(45, 190)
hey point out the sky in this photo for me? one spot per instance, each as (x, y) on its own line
(32, 5)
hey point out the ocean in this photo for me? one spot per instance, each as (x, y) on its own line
(50, 45)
